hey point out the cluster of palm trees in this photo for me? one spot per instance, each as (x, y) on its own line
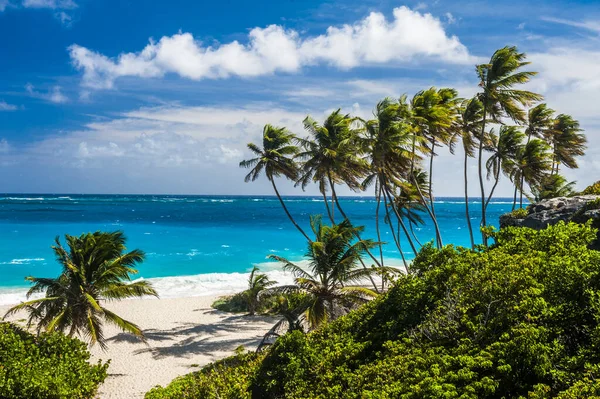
(393, 154)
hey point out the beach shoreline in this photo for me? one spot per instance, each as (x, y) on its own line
(183, 335)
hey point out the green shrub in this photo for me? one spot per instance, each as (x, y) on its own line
(593, 189)
(518, 320)
(225, 379)
(232, 303)
(519, 213)
(51, 366)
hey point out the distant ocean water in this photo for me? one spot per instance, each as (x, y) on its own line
(195, 245)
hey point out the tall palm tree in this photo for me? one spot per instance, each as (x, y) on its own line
(333, 258)
(257, 283)
(469, 127)
(533, 165)
(95, 269)
(275, 158)
(332, 156)
(500, 99)
(434, 113)
(388, 141)
(505, 149)
(538, 124)
(567, 142)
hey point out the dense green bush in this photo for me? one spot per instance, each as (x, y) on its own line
(519, 320)
(51, 366)
(519, 213)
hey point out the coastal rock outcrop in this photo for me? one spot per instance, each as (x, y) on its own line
(578, 209)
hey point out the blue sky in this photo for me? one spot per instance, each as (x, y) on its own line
(161, 97)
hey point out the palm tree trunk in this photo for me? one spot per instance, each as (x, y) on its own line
(378, 196)
(396, 239)
(496, 180)
(288, 212)
(391, 201)
(326, 204)
(431, 177)
(480, 169)
(515, 198)
(467, 203)
(438, 235)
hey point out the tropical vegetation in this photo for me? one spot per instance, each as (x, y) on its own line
(48, 366)
(95, 269)
(520, 319)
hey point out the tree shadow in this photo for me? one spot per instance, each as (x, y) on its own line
(193, 339)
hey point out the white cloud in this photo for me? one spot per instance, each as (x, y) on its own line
(408, 37)
(450, 18)
(4, 106)
(568, 66)
(54, 95)
(590, 25)
(51, 4)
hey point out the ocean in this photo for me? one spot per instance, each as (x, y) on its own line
(195, 245)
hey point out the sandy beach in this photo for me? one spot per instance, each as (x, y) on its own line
(183, 334)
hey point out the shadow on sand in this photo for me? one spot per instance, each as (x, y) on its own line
(188, 339)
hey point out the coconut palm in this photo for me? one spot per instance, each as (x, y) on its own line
(505, 149)
(333, 259)
(275, 158)
(388, 141)
(331, 156)
(95, 269)
(434, 113)
(567, 142)
(257, 283)
(470, 119)
(539, 123)
(551, 187)
(532, 166)
(500, 99)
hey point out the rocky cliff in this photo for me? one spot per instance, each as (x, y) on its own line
(578, 209)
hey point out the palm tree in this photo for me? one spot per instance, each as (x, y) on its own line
(533, 164)
(500, 99)
(566, 141)
(331, 156)
(388, 141)
(539, 122)
(505, 149)
(551, 187)
(257, 283)
(333, 258)
(95, 270)
(275, 159)
(434, 113)
(469, 127)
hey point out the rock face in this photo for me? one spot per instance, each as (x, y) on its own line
(552, 211)
(578, 209)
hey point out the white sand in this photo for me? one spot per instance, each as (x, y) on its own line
(181, 333)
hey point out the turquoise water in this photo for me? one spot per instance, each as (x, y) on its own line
(191, 235)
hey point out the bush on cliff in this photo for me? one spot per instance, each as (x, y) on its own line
(519, 320)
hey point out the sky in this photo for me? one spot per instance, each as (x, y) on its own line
(149, 97)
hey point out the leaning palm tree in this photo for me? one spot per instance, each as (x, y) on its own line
(333, 259)
(434, 113)
(505, 149)
(95, 270)
(532, 166)
(331, 155)
(388, 144)
(500, 99)
(469, 127)
(567, 142)
(257, 283)
(551, 187)
(275, 158)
